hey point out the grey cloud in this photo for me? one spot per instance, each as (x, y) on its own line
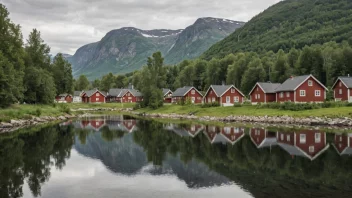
(68, 24)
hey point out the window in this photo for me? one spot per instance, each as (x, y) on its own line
(211, 91)
(130, 98)
(340, 91)
(193, 128)
(258, 96)
(97, 123)
(199, 98)
(282, 136)
(227, 130)
(257, 132)
(233, 90)
(281, 94)
(340, 84)
(193, 92)
(213, 129)
(97, 99)
(236, 99)
(97, 94)
(193, 99)
(257, 88)
(209, 100)
(213, 99)
(227, 99)
(317, 137)
(237, 130)
(310, 83)
(288, 137)
(302, 138)
(302, 92)
(288, 94)
(311, 149)
(317, 93)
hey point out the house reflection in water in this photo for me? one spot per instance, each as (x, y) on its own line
(128, 125)
(343, 144)
(305, 143)
(185, 130)
(224, 135)
(93, 123)
(262, 137)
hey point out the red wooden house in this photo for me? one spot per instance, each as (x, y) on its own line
(94, 96)
(64, 98)
(232, 134)
(343, 144)
(343, 89)
(306, 143)
(262, 138)
(129, 125)
(184, 93)
(263, 92)
(301, 89)
(214, 136)
(225, 95)
(194, 129)
(167, 93)
(124, 95)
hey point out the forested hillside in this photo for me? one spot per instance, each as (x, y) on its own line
(290, 24)
(27, 73)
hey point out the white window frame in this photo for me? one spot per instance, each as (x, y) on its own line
(96, 99)
(233, 90)
(213, 99)
(340, 84)
(282, 136)
(227, 130)
(281, 94)
(193, 128)
(193, 92)
(257, 88)
(317, 93)
(237, 130)
(340, 91)
(311, 149)
(302, 93)
(288, 138)
(228, 99)
(258, 96)
(287, 94)
(193, 99)
(209, 100)
(97, 94)
(310, 83)
(236, 99)
(302, 138)
(317, 137)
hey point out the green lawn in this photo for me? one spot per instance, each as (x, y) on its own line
(25, 111)
(249, 111)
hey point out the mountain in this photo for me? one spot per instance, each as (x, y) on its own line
(289, 24)
(126, 49)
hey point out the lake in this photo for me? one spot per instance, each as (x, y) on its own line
(119, 156)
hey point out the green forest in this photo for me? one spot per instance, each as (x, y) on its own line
(28, 74)
(289, 24)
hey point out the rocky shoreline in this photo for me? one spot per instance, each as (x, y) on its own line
(13, 125)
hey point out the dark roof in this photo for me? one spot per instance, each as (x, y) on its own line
(77, 93)
(269, 87)
(345, 80)
(221, 89)
(115, 92)
(182, 91)
(165, 91)
(91, 92)
(292, 83)
(134, 92)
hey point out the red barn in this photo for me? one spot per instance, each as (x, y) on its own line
(225, 95)
(263, 92)
(167, 93)
(184, 93)
(262, 138)
(342, 89)
(64, 98)
(301, 89)
(343, 144)
(94, 96)
(306, 143)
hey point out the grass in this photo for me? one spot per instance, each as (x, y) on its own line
(27, 111)
(250, 111)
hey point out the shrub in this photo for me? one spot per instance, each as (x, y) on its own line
(237, 105)
(38, 112)
(137, 106)
(208, 105)
(65, 108)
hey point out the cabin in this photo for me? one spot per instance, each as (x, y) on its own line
(77, 96)
(129, 125)
(342, 89)
(262, 138)
(94, 96)
(194, 129)
(232, 134)
(263, 92)
(225, 95)
(301, 89)
(124, 96)
(184, 93)
(214, 136)
(167, 93)
(93, 124)
(305, 143)
(63, 98)
(343, 144)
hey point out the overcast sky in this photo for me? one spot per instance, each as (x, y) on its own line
(68, 24)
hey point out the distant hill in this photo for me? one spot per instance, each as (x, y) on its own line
(126, 49)
(288, 24)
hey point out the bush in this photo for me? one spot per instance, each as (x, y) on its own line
(38, 112)
(137, 106)
(237, 105)
(65, 108)
(208, 105)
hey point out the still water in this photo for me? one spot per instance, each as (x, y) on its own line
(123, 157)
